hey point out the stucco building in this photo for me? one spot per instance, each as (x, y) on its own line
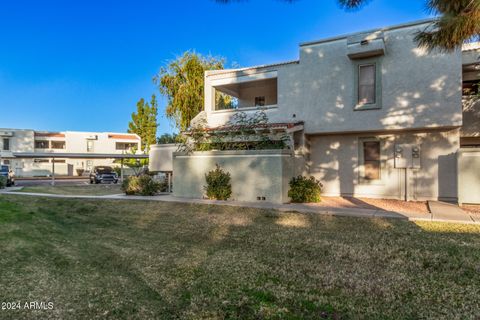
(369, 114)
(30, 141)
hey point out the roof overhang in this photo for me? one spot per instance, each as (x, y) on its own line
(78, 155)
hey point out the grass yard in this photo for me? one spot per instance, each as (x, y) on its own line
(87, 189)
(142, 260)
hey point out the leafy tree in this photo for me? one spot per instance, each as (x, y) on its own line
(137, 165)
(144, 122)
(181, 81)
(167, 138)
(458, 22)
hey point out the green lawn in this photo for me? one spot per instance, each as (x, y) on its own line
(130, 259)
(88, 189)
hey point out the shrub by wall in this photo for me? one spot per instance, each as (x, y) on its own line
(3, 182)
(303, 189)
(218, 184)
(143, 185)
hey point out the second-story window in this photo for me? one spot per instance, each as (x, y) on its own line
(90, 145)
(58, 144)
(126, 145)
(6, 144)
(366, 84)
(41, 144)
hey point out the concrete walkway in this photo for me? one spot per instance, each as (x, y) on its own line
(454, 217)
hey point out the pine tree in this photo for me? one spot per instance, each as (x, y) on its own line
(144, 122)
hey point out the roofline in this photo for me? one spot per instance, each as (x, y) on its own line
(397, 26)
(64, 132)
(471, 46)
(79, 155)
(223, 71)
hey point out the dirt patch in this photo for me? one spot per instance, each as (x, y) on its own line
(376, 204)
(472, 209)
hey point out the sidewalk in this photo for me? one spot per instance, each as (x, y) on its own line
(455, 217)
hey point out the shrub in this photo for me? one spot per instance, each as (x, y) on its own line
(303, 189)
(143, 185)
(118, 171)
(3, 182)
(80, 172)
(218, 184)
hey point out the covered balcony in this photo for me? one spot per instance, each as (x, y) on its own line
(245, 95)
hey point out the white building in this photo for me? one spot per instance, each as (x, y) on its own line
(30, 141)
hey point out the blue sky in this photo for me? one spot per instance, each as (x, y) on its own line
(83, 65)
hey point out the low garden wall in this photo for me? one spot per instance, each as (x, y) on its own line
(255, 174)
(161, 157)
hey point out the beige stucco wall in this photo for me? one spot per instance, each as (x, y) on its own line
(334, 160)
(419, 89)
(261, 173)
(161, 157)
(469, 175)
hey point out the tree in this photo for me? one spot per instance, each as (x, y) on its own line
(138, 166)
(167, 138)
(144, 122)
(458, 22)
(182, 82)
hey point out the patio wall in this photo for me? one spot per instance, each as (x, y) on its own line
(254, 173)
(469, 175)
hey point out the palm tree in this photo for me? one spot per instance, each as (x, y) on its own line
(458, 22)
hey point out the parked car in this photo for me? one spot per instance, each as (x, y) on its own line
(103, 174)
(6, 172)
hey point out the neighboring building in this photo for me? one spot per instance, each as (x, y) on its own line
(28, 141)
(375, 115)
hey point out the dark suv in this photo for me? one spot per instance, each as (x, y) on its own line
(6, 172)
(103, 175)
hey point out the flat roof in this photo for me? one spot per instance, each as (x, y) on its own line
(398, 26)
(78, 155)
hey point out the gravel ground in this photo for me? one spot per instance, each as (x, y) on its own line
(376, 204)
(472, 209)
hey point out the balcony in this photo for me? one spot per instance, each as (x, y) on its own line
(245, 95)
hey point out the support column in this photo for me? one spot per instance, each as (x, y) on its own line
(121, 170)
(53, 171)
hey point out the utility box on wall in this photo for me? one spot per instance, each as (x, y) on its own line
(407, 156)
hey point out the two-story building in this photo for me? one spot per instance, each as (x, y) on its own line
(371, 114)
(13, 141)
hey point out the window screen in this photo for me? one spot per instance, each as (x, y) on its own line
(41, 144)
(260, 101)
(371, 160)
(6, 144)
(58, 144)
(366, 84)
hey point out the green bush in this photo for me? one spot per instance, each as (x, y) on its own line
(118, 171)
(303, 189)
(143, 185)
(3, 182)
(218, 184)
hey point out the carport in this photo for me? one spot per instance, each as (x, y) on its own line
(53, 156)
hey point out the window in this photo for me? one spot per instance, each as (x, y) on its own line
(40, 160)
(58, 144)
(58, 161)
(6, 144)
(366, 84)
(6, 162)
(260, 101)
(125, 145)
(367, 90)
(371, 160)
(89, 145)
(41, 144)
